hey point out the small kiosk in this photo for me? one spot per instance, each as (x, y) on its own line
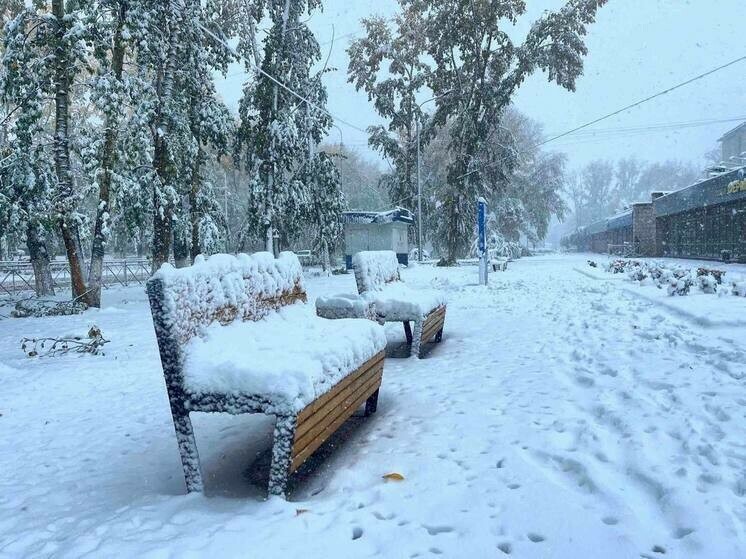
(377, 231)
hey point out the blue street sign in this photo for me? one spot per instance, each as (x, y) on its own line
(482, 225)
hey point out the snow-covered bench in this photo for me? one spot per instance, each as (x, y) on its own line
(236, 336)
(379, 283)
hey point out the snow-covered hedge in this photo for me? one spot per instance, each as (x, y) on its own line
(674, 279)
(738, 288)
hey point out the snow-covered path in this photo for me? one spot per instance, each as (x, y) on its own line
(561, 417)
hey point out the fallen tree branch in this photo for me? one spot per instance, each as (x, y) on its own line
(49, 347)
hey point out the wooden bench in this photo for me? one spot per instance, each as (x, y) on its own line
(379, 281)
(189, 306)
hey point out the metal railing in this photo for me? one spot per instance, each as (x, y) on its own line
(18, 276)
(625, 250)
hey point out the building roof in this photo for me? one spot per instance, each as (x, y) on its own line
(620, 221)
(720, 189)
(732, 131)
(401, 215)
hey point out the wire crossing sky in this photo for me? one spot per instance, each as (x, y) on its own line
(635, 48)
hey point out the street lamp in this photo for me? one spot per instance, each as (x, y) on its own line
(419, 181)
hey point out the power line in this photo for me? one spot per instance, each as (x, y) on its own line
(634, 133)
(626, 108)
(659, 126)
(274, 80)
(640, 102)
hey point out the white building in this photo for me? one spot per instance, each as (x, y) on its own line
(377, 231)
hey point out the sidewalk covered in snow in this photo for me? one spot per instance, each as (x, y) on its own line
(562, 416)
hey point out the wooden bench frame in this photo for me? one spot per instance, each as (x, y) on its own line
(429, 327)
(296, 434)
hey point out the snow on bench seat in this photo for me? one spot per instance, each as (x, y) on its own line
(289, 356)
(344, 305)
(397, 301)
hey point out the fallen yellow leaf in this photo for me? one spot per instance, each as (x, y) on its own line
(393, 476)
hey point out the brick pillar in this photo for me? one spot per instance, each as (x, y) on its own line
(643, 227)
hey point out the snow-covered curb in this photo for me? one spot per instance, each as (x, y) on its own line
(699, 319)
(604, 277)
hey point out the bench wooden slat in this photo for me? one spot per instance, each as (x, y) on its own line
(335, 396)
(345, 412)
(431, 331)
(434, 322)
(314, 424)
(321, 401)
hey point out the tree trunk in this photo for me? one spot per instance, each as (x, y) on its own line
(162, 205)
(181, 248)
(101, 225)
(61, 144)
(37, 249)
(325, 260)
(196, 246)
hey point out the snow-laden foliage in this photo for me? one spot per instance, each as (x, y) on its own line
(675, 280)
(277, 129)
(478, 69)
(390, 65)
(602, 188)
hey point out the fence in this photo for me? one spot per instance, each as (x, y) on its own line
(18, 276)
(625, 250)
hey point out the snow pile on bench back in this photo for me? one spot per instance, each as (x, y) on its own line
(375, 269)
(290, 357)
(224, 288)
(378, 281)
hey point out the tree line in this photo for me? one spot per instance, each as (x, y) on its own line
(112, 128)
(603, 188)
(112, 133)
(459, 57)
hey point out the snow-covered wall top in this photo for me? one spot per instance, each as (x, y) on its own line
(398, 214)
(224, 288)
(724, 188)
(595, 227)
(374, 269)
(620, 221)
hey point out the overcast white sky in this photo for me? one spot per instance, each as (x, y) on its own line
(636, 48)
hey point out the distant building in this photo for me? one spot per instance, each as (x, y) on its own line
(377, 231)
(733, 145)
(705, 220)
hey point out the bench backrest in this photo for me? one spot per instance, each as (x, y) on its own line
(374, 269)
(222, 288)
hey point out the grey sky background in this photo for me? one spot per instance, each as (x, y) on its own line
(636, 48)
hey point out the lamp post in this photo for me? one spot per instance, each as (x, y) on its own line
(419, 181)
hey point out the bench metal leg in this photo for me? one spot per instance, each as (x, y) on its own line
(282, 453)
(188, 451)
(371, 404)
(408, 331)
(417, 335)
(439, 336)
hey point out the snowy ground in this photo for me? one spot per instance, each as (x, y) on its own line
(562, 416)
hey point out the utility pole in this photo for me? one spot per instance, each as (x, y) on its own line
(419, 198)
(419, 178)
